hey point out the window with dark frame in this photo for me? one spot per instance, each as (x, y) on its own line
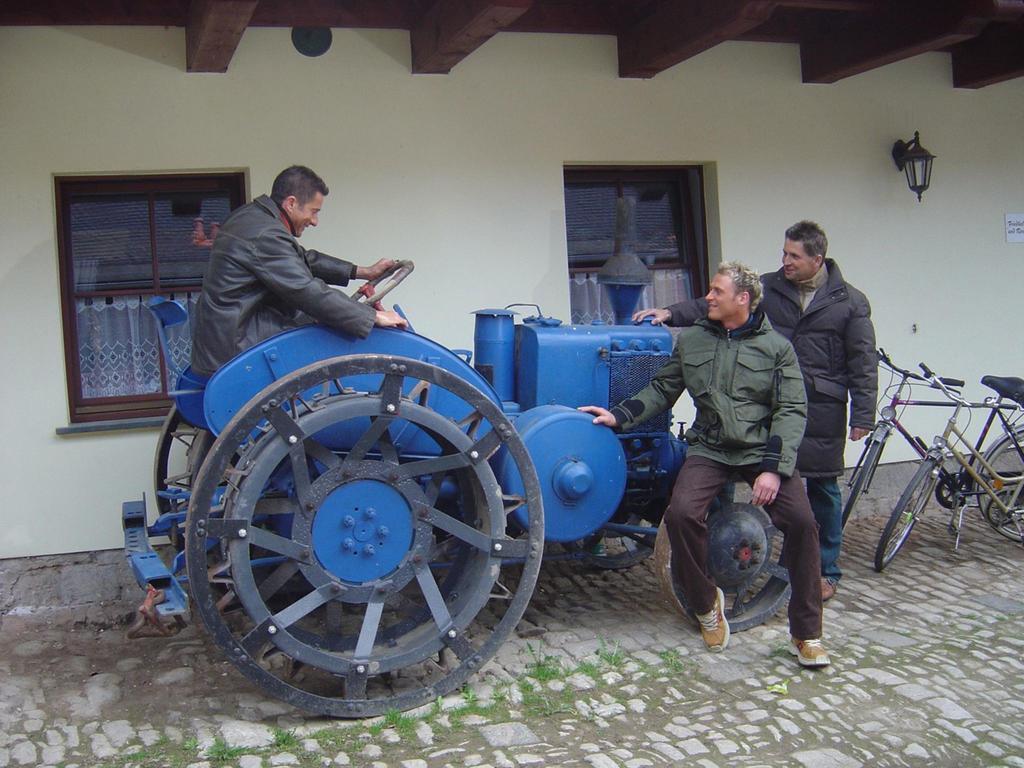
(670, 233)
(122, 240)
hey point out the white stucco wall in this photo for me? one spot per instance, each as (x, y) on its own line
(463, 173)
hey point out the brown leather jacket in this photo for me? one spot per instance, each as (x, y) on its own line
(260, 282)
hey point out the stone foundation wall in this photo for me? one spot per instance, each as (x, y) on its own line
(82, 589)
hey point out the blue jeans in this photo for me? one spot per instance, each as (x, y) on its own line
(827, 505)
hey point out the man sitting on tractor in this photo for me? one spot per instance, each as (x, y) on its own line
(751, 413)
(260, 281)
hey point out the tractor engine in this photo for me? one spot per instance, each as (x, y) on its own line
(542, 370)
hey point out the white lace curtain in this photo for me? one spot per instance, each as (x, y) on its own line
(589, 301)
(119, 349)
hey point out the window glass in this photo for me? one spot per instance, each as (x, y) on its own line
(110, 243)
(669, 235)
(185, 227)
(123, 241)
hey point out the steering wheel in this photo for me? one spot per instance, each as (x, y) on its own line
(394, 276)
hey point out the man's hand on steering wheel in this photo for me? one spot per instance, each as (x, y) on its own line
(376, 289)
(372, 272)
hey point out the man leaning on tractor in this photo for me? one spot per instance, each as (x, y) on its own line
(751, 413)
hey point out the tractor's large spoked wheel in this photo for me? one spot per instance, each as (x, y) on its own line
(179, 452)
(354, 575)
(743, 553)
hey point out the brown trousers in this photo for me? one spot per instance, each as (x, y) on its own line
(699, 481)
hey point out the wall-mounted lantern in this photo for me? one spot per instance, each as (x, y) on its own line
(916, 162)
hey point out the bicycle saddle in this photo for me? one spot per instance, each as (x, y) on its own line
(1006, 386)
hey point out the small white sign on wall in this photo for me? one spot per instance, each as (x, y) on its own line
(1015, 227)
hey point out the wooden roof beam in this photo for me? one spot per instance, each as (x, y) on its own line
(903, 30)
(680, 29)
(450, 30)
(213, 32)
(992, 57)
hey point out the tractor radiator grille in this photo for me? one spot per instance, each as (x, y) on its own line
(629, 374)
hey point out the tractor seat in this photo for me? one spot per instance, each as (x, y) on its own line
(189, 386)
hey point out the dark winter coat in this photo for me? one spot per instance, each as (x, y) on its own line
(835, 344)
(746, 385)
(260, 281)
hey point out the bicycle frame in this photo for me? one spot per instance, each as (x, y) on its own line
(943, 447)
(890, 421)
(978, 477)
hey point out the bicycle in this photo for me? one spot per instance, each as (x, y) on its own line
(864, 471)
(997, 475)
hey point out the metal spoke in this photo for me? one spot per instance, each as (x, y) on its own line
(334, 614)
(388, 452)
(459, 529)
(369, 438)
(270, 585)
(260, 537)
(435, 601)
(321, 454)
(433, 488)
(510, 503)
(302, 607)
(471, 423)
(486, 445)
(433, 466)
(256, 639)
(420, 393)
(300, 472)
(368, 631)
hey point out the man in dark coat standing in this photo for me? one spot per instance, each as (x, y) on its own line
(260, 281)
(828, 321)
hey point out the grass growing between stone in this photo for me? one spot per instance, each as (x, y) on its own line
(544, 691)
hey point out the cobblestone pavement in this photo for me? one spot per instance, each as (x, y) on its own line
(928, 670)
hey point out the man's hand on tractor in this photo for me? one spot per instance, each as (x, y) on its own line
(658, 316)
(374, 271)
(388, 318)
(602, 415)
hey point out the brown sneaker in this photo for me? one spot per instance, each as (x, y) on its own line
(810, 653)
(713, 626)
(828, 590)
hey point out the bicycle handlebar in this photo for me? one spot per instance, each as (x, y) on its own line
(929, 377)
(956, 383)
(884, 358)
(946, 386)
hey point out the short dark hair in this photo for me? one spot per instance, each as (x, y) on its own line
(811, 236)
(300, 181)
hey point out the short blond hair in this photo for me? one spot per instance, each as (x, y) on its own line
(744, 278)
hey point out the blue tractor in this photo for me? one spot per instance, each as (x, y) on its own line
(361, 523)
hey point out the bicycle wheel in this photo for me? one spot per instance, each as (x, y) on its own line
(911, 503)
(862, 474)
(1005, 459)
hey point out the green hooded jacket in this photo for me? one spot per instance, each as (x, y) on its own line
(747, 386)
